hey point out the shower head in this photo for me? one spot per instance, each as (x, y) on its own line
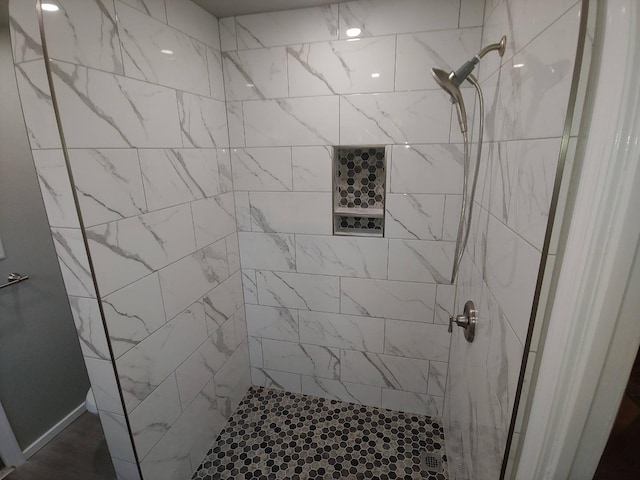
(450, 82)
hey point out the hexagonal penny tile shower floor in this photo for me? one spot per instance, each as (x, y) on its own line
(282, 435)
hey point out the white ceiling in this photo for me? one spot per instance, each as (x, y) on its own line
(228, 8)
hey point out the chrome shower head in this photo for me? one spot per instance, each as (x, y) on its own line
(445, 80)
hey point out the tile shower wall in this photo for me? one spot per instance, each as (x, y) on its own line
(527, 99)
(141, 97)
(352, 318)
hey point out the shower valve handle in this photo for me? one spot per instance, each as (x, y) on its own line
(467, 321)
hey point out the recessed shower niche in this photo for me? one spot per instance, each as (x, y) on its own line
(359, 181)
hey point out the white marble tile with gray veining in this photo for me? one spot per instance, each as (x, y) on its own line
(276, 323)
(255, 351)
(445, 295)
(233, 252)
(223, 301)
(427, 169)
(56, 188)
(400, 117)
(417, 340)
(311, 169)
(133, 313)
(104, 384)
(262, 169)
(343, 391)
(296, 290)
(380, 17)
(387, 299)
(414, 216)
(116, 434)
(101, 110)
(342, 67)
(37, 107)
(408, 374)
(292, 121)
(153, 8)
(175, 176)
(342, 256)
(291, 212)
(88, 322)
(412, 402)
(249, 286)
(127, 250)
(225, 177)
(154, 416)
(437, 378)
(342, 331)
(300, 358)
(235, 118)
(73, 261)
(147, 365)
(243, 211)
(108, 183)
(203, 121)
(287, 27)
(274, 379)
(421, 260)
(451, 221)
(268, 251)
(233, 380)
(216, 78)
(228, 34)
(190, 18)
(24, 31)
(445, 49)
(85, 33)
(213, 219)
(154, 52)
(240, 322)
(204, 268)
(255, 74)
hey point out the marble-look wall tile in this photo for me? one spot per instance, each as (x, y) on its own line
(225, 177)
(291, 212)
(143, 368)
(56, 188)
(24, 30)
(420, 260)
(154, 416)
(293, 121)
(73, 261)
(445, 295)
(268, 251)
(301, 358)
(296, 290)
(255, 351)
(408, 374)
(414, 117)
(157, 53)
(255, 74)
(233, 380)
(380, 17)
(125, 470)
(275, 323)
(235, 118)
(471, 13)
(262, 169)
(243, 211)
(342, 256)
(342, 331)
(127, 250)
(240, 322)
(133, 313)
(103, 385)
(37, 106)
(437, 378)
(386, 299)
(116, 434)
(88, 322)
(417, 340)
(233, 252)
(216, 78)
(249, 286)
(287, 27)
(203, 121)
(84, 32)
(414, 216)
(108, 183)
(412, 402)
(175, 176)
(101, 110)
(153, 8)
(341, 67)
(343, 391)
(190, 18)
(222, 302)
(274, 379)
(311, 169)
(228, 34)
(213, 219)
(451, 221)
(427, 169)
(205, 269)
(419, 52)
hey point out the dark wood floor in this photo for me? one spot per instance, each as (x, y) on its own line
(78, 453)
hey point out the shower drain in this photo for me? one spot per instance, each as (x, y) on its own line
(432, 463)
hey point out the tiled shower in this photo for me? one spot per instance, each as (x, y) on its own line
(204, 258)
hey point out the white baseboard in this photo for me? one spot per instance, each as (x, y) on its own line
(53, 431)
